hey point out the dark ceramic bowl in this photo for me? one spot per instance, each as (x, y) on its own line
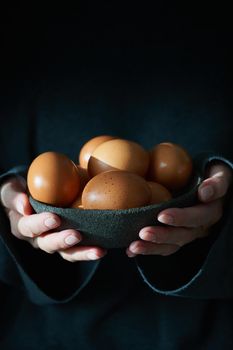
(118, 228)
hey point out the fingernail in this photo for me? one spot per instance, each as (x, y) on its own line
(134, 247)
(130, 254)
(71, 240)
(166, 219)
(207, 193)
(92, 256)
(146, 235)
(50, 222)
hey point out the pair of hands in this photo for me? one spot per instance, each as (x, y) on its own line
(183, 225)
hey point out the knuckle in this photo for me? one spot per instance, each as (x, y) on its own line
(31, 226)
(44, 245)
(24, 228)
(55, 241)
(46, 249)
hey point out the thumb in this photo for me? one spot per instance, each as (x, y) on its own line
(14, 197)
(216, 184)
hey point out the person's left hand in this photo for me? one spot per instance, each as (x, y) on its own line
(184, 225)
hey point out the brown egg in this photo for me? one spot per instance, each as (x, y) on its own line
(159, 193)
(84, 177)
(53, 179)
(170, 165)
(88, 148)
(119, 154)
(116, 190)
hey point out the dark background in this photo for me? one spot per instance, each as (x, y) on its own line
(38, 40)
(126, 58)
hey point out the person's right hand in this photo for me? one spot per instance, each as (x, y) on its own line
(36, 228)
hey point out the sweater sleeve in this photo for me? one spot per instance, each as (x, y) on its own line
(201, 269)
(45, 278)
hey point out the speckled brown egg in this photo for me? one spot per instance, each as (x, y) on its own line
(88, 148)
(116, 190)
(53, 179)
(119, 154)
(159, 193)
(170, 165)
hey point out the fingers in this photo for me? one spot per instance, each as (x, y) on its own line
(30, 229)
(149, 248)
(172, 235)
(13, 196)
(158, 240)
(34, 229)
(199, 215)
(217, 183)
(210, 192)
(35, 224)
(79, 253)
(186, 224)
(66, 244)
(30, 226)
(52, 242)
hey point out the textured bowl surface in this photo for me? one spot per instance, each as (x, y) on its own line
(118, 228)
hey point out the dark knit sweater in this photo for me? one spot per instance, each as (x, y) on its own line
(58, 94)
